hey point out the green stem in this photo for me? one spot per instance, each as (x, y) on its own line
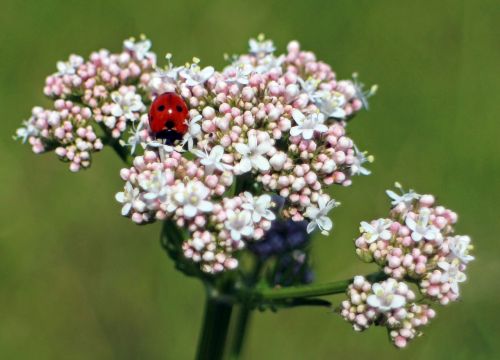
(214, 331)
(305, 291)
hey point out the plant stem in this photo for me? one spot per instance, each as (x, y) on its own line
(214, 331)
(304, 291)
(244, 315)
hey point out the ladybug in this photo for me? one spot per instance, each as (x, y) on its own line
(168, 117)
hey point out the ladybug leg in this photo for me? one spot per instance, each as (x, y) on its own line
(169, 136)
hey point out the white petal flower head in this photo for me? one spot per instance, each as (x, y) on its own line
(130, 198)
(135, 137)
(452, 275)
(330, 103)
(261, 46)
(252, 154)
(405, 198)
(171, 73)
(269, 62)
(239, 224)
(139, 48)
(126, 104)
(194, 130)
(309, 87)
(319, 215)
(155, 188)
(69, 67)
(29, 129)
(239, 74)
(192, 197)
(357, 167)
(307, 125)
(421, 229)
(195, 75)
(385, 297)
(259, 207)
(460, 246)
(379, 230)
(213, 160)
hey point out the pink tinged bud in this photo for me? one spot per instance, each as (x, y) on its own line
(208, 126)
(427, 200)
(247, 93)
(400, 342)
(208, 113)
(311, 178)
(339, 177)
(211, 181)
(394, 261)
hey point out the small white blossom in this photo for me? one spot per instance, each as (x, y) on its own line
(385, 297)
(191, 197)
(421, 228)
(259, 207)
(239, 224)
(195, 75)
(260, 46)
(357, 167)
(452, 275)
(362, 94)
(194, 129)
(239, 74)
(155, 188)
(319, 215)
(69, 67)
(130, 198)
(135, 137)
(29, 129)
(309, 87)
(377, 231)
(307, 125)
(267, 63)
(459, 247)
(212, 161)
(330, 103)
(139, 48)
(252, 154)
(126, 105)
(406, 198)
(171, 73)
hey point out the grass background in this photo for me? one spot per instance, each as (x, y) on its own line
(77, 281)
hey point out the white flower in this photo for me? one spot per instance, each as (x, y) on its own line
(194, 75)
(319, 215)
(460, 246)
(361, 94)
(194, 129)
(406, 198)
(330, 103)
(307, 125)
(69, 67)
(238, 74)
(309, 87)
(421, 228)
(239, 224)
(452, 275)
(130, 198)
(259, 207)
(155, 188)
(384, 297)
(192, 198)
(171, 73)
(139, 48)
(252, 154)
(374, 232)
(29, 129)
(135, 137)
(357, 167)
(267, 63)
(260, 46)
(212, 161)
(126, 105)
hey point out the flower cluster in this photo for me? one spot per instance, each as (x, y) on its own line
(388, 303)
(416, 243)
(94, 102)
(277, 120)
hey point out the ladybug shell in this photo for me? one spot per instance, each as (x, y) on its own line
(168, 115)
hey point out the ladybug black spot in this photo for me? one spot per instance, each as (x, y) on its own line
(161, 107)
(179, 108)
(170, 124)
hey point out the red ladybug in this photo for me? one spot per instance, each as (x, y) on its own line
(168, 117)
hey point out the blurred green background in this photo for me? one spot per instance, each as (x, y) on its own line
(77, 281)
